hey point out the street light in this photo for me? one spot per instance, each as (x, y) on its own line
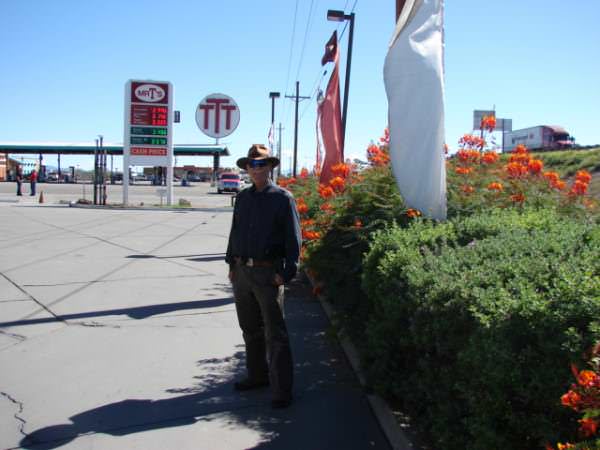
(273, 96)
(339, 16)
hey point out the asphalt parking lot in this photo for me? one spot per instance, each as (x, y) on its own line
(118, 331)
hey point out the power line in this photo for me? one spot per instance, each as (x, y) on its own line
(314, 90)
(308, 23)
(287, 79)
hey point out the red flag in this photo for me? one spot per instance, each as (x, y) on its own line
(318, 159)
(330, 113)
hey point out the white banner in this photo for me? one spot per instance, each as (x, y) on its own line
(414, 83)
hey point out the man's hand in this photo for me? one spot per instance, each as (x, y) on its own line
(231, 276)
(277, 280)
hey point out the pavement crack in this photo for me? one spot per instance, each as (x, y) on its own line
(20, 288)
(94, 324)
(19, 405)
(18, 337)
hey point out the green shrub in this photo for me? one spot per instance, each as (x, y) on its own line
(375, 202)
(474, 323)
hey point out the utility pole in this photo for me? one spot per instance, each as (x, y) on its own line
(297, 99)
(279, 150)
(96, 172)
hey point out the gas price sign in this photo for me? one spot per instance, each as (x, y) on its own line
(148, 125)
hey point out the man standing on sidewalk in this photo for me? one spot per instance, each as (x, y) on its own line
(263, 252)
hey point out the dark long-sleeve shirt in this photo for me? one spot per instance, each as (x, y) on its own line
(266, 226)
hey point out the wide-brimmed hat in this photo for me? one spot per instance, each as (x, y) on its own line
(258, 152)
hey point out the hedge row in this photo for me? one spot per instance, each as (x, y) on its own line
(472, 323)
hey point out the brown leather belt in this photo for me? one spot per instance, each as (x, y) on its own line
(251, 262)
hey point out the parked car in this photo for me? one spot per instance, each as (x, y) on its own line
(229, 182)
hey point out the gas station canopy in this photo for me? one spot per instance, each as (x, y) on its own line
(62, 148)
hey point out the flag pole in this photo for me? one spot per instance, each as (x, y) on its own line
(399, 6)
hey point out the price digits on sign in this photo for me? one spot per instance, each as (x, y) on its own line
(148, 131)
(159, 115)
(143, 140)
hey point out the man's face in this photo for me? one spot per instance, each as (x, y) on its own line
(259, 171)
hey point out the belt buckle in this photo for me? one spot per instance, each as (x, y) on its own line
(250, 262)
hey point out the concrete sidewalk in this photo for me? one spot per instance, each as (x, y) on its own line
(118, 331)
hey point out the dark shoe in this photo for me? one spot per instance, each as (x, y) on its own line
(248, 385)
(281, 403)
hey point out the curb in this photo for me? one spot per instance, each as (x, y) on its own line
(149, 208)
(381, 410)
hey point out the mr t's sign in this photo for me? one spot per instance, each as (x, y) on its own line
(148, 124)
(217, 115)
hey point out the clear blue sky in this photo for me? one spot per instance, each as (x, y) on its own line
(65, 64)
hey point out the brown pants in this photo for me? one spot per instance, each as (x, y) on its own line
(259, 306)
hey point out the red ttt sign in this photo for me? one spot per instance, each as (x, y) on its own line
(217, 115)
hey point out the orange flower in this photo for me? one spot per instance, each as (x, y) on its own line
(535, 166)
(467, 189)
(559, 185)
(310, 235)
(385, 139)
(463, 170)
(337, 184)
(516, 170)
(588, 378)
(307, 223)
(518, 198)
(579, 188)
(468, 155)
(340, 170)
(520, 149)
(468, 140)
(588, 427)
(413, 213)
(304, 173)
(358, 224)
(488, 123)
(521, 158)
(325, 191)
(495, 187)
(571, 399)
(490, 157)
(377, 156)
(583, 176)
(302, 207)
(564, 446)
(552, 177)
(326, 207)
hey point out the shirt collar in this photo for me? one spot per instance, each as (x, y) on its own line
(267, 188)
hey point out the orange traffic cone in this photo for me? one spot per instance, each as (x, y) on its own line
(41, 197)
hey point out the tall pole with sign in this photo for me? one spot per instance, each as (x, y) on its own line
(148, 131)
(217, 116)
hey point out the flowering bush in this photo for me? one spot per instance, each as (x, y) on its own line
(584, 398)
(479, 179)
(467, 321)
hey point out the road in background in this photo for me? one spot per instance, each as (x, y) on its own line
(201, 195)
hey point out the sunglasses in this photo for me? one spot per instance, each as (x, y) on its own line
(257, 163)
